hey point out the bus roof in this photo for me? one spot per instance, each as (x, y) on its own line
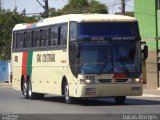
(77, 18)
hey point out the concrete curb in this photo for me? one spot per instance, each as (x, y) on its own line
(151, 92)
(5, 85)
(150, 95)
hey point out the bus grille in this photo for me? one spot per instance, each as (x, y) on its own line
(105, 80)
(121, 80)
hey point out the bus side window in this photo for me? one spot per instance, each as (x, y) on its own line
(39, 38)
(50, 37)
(53, 36)
(19, 40)
(25, 39)
(32, 41)
(62, 35)
(73, 31)
(14, 40)
(59, 35)
(35, 38)
(44, 37)
(29, 39)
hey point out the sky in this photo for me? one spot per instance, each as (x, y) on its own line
(32, 6)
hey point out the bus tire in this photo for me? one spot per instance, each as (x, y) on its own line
(120, 100)
(68, 99)
(30, 93)
(25, 90)
(22, 84)
(33, 95)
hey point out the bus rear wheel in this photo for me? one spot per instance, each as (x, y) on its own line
(25, 90)
(33, 95)
(120, 100)
(68, 99)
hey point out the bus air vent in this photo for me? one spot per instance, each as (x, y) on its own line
(105, 80)
(121, 80)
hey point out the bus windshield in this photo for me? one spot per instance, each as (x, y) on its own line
(93, 58)
(120, 57)
(125, 57)
(108, 30)
(118, 54)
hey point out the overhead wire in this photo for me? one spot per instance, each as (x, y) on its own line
(113, 4)
(108, 3)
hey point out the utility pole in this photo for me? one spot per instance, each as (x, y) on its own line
(123, 7)
(45, 7)
(24, 12)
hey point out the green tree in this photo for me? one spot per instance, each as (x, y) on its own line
(84, 6)
(53, 12)
(97, 7)
(8, 19)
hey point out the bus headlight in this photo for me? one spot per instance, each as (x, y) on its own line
(131, 80)
(140, 80)
(137, 80)
(86, 81)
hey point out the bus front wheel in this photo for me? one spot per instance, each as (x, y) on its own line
(68, 99)
(120, 100)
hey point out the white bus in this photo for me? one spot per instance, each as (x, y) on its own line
(79, 56)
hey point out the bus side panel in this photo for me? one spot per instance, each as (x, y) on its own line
(17, 70)
(57, 70)
(47, 72)
(39, 72)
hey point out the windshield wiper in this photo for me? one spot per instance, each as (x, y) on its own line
(106, 62)
(122, 62)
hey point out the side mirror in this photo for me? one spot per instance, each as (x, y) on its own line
(145, 52)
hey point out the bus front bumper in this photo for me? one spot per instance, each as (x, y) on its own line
(109, 90)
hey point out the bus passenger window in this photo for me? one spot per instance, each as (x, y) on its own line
(19, 40)
(37, 43)
(44, 37)
(59, 35)
(62, 35)
(14, 40)
(29, 39)
(32, 41)
(53, 36)
(73, 31)
(35, 38)
(25, 39)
